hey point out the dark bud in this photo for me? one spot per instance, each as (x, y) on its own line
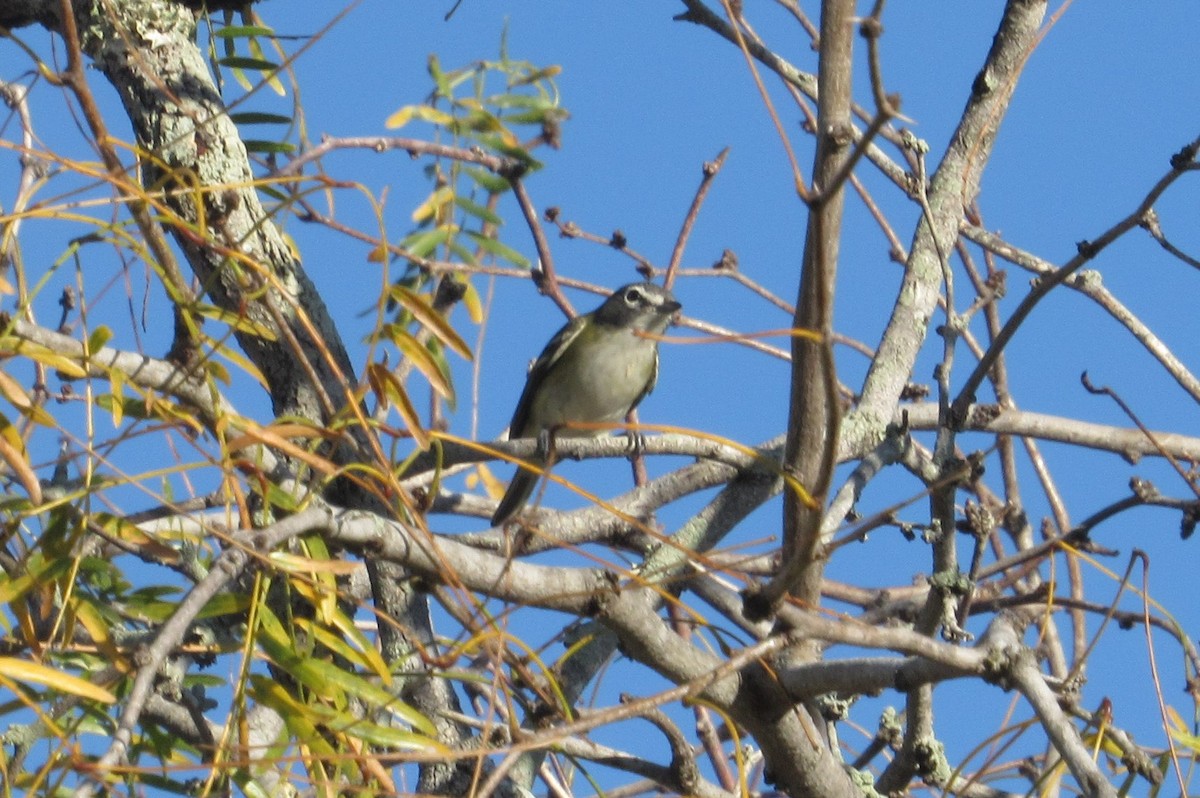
(728, 261)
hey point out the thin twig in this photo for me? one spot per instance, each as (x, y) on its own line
(710, 171)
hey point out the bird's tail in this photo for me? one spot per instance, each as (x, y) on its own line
(515, 497)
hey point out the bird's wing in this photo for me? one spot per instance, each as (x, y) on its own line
(537, 374)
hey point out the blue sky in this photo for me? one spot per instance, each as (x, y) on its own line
(1106, 99)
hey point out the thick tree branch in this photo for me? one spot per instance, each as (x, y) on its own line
(952, 189)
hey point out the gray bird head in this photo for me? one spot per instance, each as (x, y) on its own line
(641, 306)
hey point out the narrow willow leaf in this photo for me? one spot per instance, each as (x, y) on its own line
(298, 564)
(473, 302)
(371, 657)
(217, 371)
(276, 436)
(17, 459)
(431, 208)
(225, 604)
(99, 337)
(237, 321)
(512, 148)
(300, 719)
(478, 211)
(47, 357)
(502, 251)
(242, 31)
(117, 381)
(433, 321)
(244, 62)
(99, 628)
(545, 73)
(488, 181)
(390, 391)
(423, 113)
(424, 243)
(279, 147)
(423, 361)
(19, 670)
(352, 683)
(12, 390)
(388, 737)
(259, 118)
(39, 571)
(132, 535)
(273, 79)
(524, 101)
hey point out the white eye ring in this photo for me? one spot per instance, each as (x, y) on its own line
(632, 296)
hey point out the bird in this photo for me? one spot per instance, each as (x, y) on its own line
(594, 370)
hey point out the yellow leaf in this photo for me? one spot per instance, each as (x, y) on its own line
(297, 564)
(271, 437)
(49, 357)
(13, 392)
(97, 627)
(239, 360)
(424, 362)
(422, 112)
(544, 73)
(117, 380)
(132, 534)
(473, 303)
(12, 669)
(433, 321)
(237, 321)
(389, 390)
(21, 469)
(494, 487)
(433, 204)
(272, 78)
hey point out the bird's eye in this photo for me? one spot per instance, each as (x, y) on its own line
(633, 296)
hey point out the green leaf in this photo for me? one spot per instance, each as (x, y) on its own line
(278, 497)
(38, 572)
(514, 151)
(243, 62)
(242, 31)
(298, 717)
(523, 101)
(257, 145)
(259, 118)
(458, 250)
(478, 211)
(99, 337)
(424, 243)
(531, 117)
(439, 77)
(326, 679)
(545, 73)
(121, 406)
(487, 180)
(502, 251)
(225, 604)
